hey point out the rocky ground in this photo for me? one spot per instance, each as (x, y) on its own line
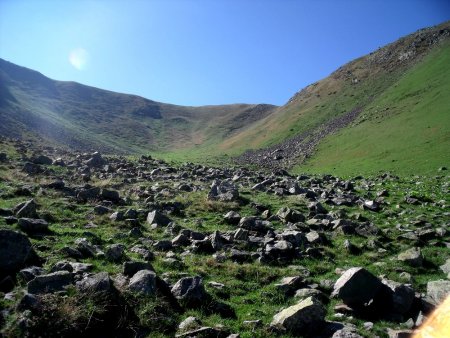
(101, 246)
(297, 149)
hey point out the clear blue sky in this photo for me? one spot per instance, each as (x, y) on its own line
(194, 52)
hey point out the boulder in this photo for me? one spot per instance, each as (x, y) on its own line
(88, 194)
(412, 257)
(16, 252)
(288, 215)
(358, 287)
(190, 290)
(110, 195)
(223, 191)
(304, 318)
(132, 267)
(156, 217)
(96, 160)
(33, 225)
(438, 290)
(27, 210)
(42, 159)
(100, 282)
(52, 282)
(232, 217)
(115, 252)
(402, 296)
(144, 282)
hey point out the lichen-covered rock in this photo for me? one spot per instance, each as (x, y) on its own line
(303, 318)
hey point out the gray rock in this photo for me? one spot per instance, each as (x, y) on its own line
(399, 333)
(189, 323)
(155, 217)
(110, 195)
(88, 194)
(27, 210)
(80, 268)
(446, 266)
(32, 169)
(204, 332)
(412, 257)
(402, 296)
(232, 217)
(100, 282)
(132, 267)
(438, 290)
(144, 282)
(357, 287)
(190, 290)
(288, 285)
(117, 216)
(85, 247)
(62, 266)
(288, 215)
(223, 191)
(30, 273)
(15, 251)
(115, 252)
(52, 282)
(42, 159)
(346, 332)
(304, 318)
(33, 225)
(96, 160)
(101, 210)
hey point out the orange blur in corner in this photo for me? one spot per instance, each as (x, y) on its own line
(438, 323)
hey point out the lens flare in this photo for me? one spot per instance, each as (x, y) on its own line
(438, 323)
(79, 58)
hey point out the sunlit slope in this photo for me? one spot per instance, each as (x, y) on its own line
(406, 129)
(352, 86)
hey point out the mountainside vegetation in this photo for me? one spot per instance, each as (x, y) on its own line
(388, 109)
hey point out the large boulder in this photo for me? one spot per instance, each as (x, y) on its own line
(96, 160)
(288, 215)
(52, 282)
(33, 225)
(88, 194)
(144, 282)
(156, 217)
(190, 290)
(110, 195)
(402, 296)
(304, 318)
(438, 290)
(15, 252)
(42, 159)
(100, 282)
(223, 191)
(412, 257)
(357, 287)
(26, 209)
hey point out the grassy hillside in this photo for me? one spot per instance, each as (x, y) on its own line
(83, 117)
(353, 85)
(407, 129)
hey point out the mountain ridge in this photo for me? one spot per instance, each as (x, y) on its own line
(88, 118)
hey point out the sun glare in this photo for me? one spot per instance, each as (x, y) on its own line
(438, 324)
(78, 58)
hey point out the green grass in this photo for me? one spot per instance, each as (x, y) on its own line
(405, 130)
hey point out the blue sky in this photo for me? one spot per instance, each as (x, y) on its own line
(195, 52)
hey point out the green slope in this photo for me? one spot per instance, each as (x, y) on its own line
(406, 129)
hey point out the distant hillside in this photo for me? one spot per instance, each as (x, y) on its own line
(386, 110)
(87, 118)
